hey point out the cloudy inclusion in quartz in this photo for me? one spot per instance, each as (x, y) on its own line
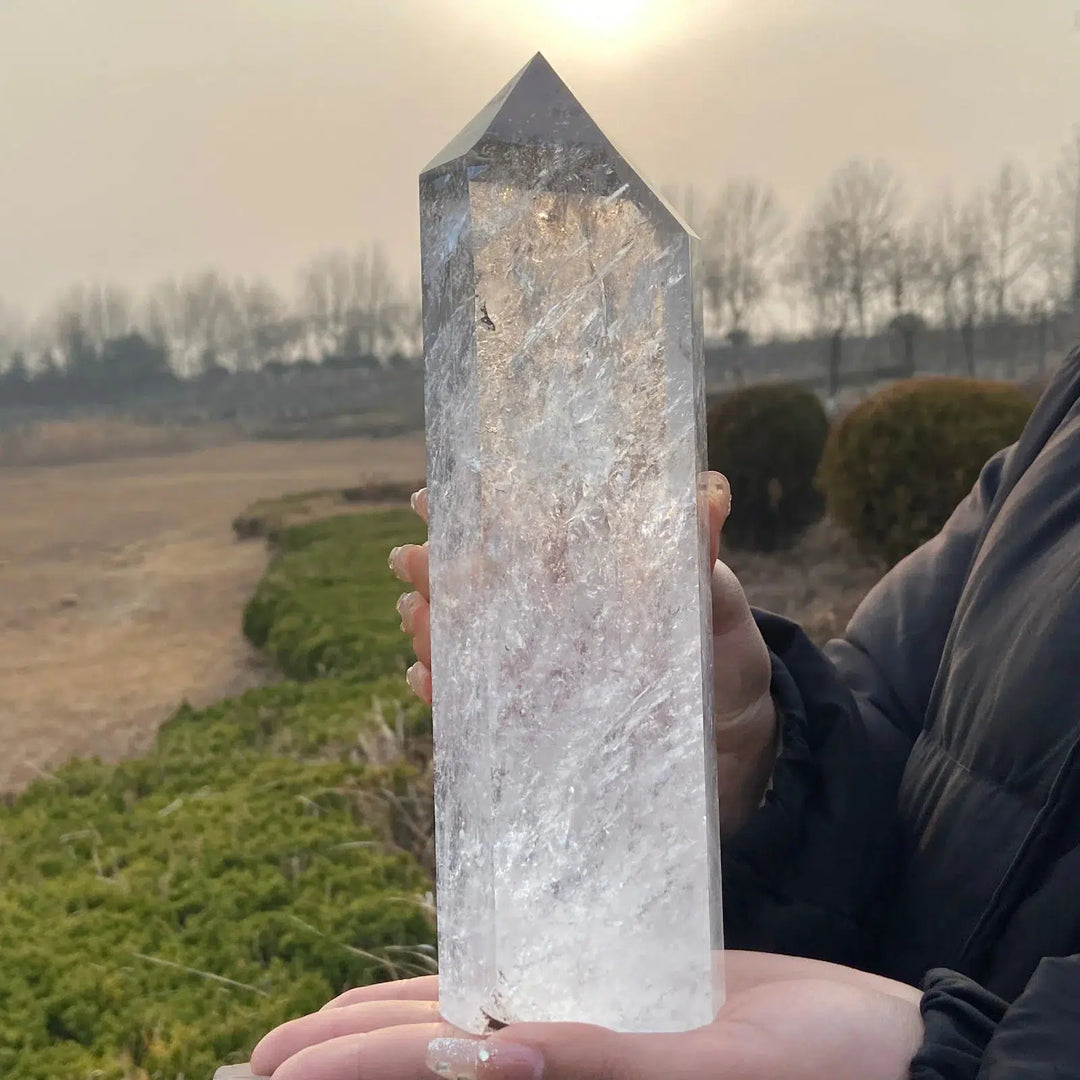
(577, 843)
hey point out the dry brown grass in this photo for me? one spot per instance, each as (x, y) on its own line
(65, 442)
(121, 587)
(818, 583)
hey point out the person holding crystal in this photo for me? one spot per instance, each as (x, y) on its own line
(900, 820)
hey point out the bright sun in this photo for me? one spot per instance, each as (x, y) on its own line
(618, 17)
(600, 27)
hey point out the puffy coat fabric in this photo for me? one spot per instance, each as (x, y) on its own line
(924, 818)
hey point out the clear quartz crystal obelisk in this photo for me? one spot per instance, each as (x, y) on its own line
(578, 869)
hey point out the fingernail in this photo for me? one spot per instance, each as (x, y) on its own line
(406, 604)
(475, 1059)
(394, 562)
(412, 677)
(414, 500)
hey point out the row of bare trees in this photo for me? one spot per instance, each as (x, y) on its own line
(349, 307)
(861, 257)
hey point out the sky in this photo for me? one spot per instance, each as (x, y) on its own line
(141, 139)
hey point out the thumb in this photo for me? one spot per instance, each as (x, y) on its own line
(577, 1052)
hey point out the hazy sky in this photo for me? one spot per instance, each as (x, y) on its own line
(143, 138)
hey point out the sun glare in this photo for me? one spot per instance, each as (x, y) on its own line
(601, 28)
(618, 17)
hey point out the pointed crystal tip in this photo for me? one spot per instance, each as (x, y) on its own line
(535, 105)
(237, 1072)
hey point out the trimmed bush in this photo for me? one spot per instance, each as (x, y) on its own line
(897, 465)
(767, 440)
(326, 605)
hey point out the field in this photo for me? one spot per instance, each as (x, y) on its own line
(121, 586)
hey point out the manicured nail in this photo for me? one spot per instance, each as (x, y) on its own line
(412, 677)
(395, 563)
(406, 605)
(474, 1059)
(725, 488)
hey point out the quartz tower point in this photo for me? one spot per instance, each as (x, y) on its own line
(578, 867)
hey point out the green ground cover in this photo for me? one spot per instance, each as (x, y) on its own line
(157, 916)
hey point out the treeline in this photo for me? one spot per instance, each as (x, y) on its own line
(863, 258)
(101, 343)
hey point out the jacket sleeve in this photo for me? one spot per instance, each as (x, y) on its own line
(804, 875)
(973, 1035)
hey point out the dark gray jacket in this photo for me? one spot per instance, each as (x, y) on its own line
(924, 820)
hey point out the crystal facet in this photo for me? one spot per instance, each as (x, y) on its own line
(577, 841)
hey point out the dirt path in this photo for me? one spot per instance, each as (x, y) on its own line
(121, 588)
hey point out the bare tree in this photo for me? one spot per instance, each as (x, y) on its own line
(819, 268)
(381, 306)
(858, 217)
(109, 312)
(954, 241)
(940, 225)
(263, 330)
(196, 319)
(740, 238)
(906, 270)
(971, 253)
(1051, 249)
(352, 304)
(1009, 209)
(326, 301)
(1055, 230)
(84, 319)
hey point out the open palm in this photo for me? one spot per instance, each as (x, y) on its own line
(785, 1017)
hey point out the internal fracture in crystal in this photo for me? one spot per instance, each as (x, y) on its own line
(577, 841)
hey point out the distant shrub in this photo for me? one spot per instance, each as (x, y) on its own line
(326, 605)
(897, 465)
(767, 441)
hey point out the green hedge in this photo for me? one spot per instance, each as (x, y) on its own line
(158, 916)
(767, 440)
(326, 606)
(897, 465)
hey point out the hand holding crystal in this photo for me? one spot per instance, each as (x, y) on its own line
(745, 714)
(785, 1016)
